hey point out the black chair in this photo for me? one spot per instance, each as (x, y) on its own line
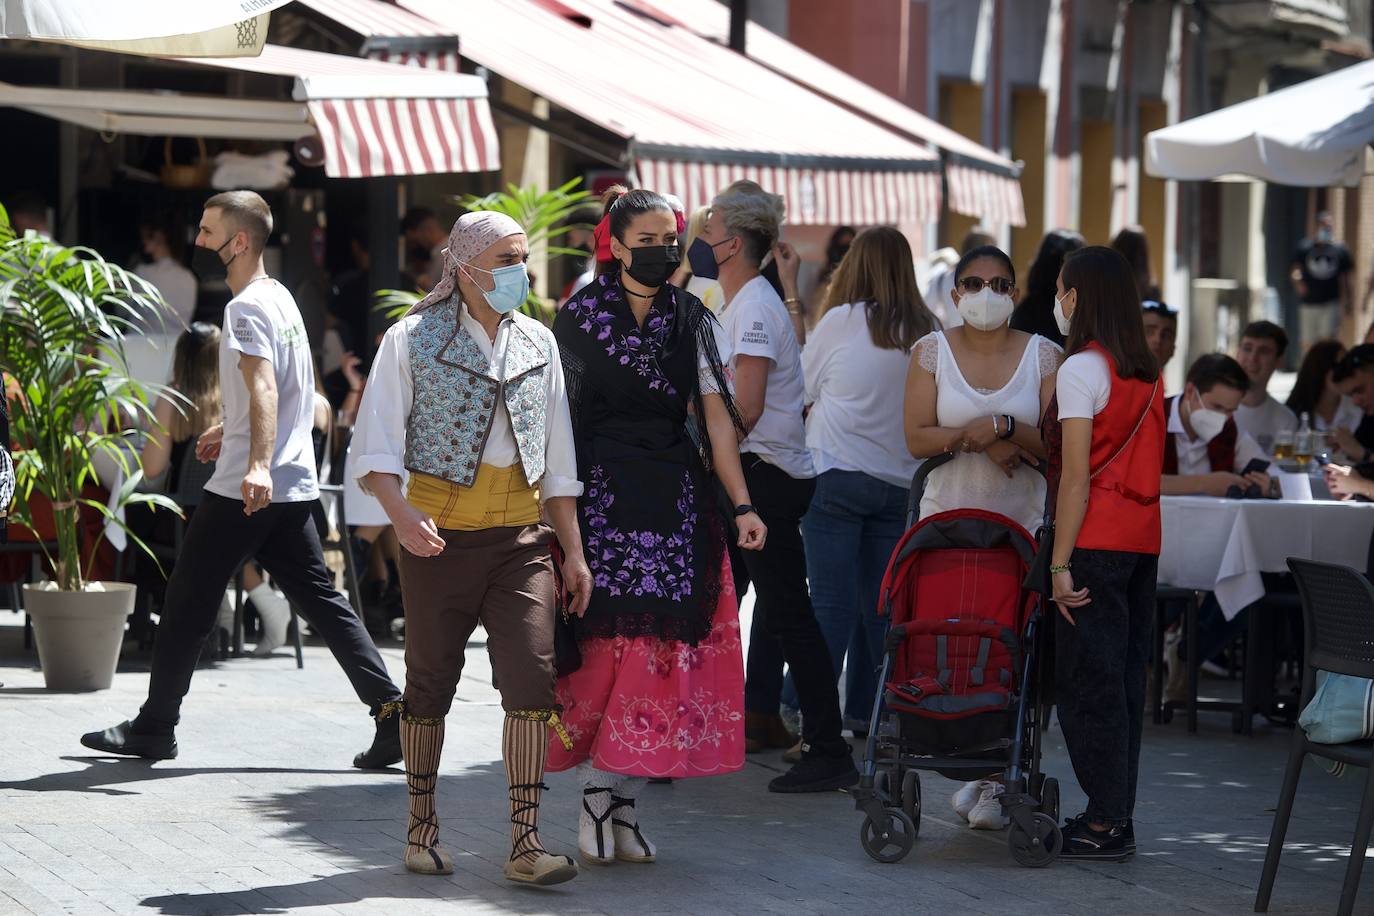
(1338, 625)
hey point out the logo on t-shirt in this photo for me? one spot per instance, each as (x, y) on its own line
(294, 336)
(243, 330)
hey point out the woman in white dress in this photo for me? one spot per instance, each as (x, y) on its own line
(978, 392)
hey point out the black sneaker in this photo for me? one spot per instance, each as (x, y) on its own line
(122, 739)
(1085, 844)
(1130, 836)
(817, 773)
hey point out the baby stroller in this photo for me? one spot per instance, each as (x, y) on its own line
(961, 689)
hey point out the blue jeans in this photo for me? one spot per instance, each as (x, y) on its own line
(850, 531)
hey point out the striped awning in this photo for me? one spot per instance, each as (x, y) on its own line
(815, 196)
(378, 119)
(982, 183)
(392, 34)
(992, 197)
(708, 116)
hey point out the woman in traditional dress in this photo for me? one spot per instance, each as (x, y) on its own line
(660, 688)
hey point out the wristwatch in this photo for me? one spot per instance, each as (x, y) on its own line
(744, 509)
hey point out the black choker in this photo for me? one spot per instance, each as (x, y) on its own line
(649, 296)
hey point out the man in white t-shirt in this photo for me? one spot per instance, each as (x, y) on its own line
(741, 229)
(1260, 415)
(259, 503)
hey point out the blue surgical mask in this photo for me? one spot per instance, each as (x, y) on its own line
(511, 290)
(701, 256)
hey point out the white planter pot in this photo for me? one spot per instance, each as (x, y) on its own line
(79, 633)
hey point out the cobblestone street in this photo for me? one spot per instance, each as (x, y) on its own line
(262, 813)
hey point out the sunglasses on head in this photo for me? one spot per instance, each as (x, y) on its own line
(973, 285)
(1159, 308)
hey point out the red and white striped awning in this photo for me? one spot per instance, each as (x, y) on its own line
(815, 196)
(992, 197)
(378, 119)
(392, 34)
(982, 183)
(708, 116)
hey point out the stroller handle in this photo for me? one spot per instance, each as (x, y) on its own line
(923, 470)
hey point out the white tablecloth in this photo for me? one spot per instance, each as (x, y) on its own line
(1222, 545)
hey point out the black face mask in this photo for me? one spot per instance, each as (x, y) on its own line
(652, 265)
(206, 263)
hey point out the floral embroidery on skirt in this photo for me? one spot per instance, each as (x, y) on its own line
(644, 706)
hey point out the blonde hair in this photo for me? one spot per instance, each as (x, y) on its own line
(195, 375)
(877, 271)
(753, 214)
(245, 211)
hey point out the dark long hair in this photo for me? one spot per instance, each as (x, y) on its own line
(1108, 311)
(1035, 312)
(1321, 358)
(1132, 245)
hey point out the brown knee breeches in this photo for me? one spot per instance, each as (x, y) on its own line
(499, 577)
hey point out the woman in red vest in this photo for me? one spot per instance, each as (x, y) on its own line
(1104, 434)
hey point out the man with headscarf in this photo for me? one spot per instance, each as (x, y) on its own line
(466, 406)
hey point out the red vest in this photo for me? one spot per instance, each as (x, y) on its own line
(1123, 498)
(1221, 451)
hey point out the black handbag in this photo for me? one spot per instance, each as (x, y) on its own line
(567, 654)
(1039, 579)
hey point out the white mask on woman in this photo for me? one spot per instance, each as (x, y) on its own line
(985, 310)
(1206, 422)
(1061, 320)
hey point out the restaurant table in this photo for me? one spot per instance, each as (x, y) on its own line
(1223, 545)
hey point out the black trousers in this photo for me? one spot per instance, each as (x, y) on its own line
(284, 539)
(783, 602)
(1100, 675)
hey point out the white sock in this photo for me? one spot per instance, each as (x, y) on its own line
(275, 614)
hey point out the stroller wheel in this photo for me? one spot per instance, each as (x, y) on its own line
(911, 797)
(1038, 850)
(1049, 798)
(890, 840)
(882, 784)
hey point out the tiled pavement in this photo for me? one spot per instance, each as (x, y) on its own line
(263, 814)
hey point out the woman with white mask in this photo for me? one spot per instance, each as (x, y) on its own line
(978, 392)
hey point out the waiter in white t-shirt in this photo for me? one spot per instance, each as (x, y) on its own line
(259, 502)
(769, 390)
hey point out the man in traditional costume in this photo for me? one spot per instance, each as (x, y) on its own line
(466, 398)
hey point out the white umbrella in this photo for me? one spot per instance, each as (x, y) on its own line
(1313, 134)
(195, 28)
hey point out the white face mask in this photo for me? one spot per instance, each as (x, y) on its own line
(1206, 422)
(986, 310)
(1061, 320)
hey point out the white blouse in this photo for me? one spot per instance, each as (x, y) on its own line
(973, 481)
(379, 438)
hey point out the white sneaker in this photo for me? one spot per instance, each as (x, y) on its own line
(275, 614)
(966, 796)
(987, 813)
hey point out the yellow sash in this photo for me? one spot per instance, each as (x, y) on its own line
(498, 498)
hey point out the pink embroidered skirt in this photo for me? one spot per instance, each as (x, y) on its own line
(654, 707)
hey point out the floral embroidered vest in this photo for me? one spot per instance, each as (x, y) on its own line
(455, 396)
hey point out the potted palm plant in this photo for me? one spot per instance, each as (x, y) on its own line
(64, 313)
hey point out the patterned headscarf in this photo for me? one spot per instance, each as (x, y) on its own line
(473, 234)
